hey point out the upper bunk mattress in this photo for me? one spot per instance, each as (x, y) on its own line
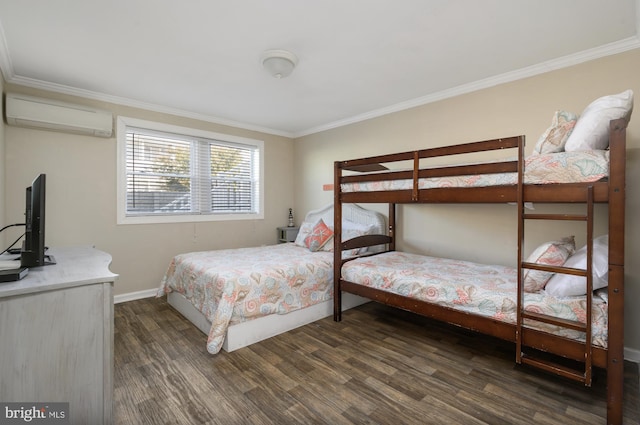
(560, 167)
(235, 285)
(485, 290)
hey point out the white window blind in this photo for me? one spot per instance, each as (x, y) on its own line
(170, 174)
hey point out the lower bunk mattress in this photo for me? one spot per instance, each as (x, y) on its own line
(232, 286)
(483, 290)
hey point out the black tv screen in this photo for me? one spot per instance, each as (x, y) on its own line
(33, 247)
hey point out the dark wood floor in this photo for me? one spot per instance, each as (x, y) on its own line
(378, 366)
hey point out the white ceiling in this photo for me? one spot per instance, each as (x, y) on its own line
(357, 58)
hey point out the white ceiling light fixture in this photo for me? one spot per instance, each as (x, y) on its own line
(279, 63)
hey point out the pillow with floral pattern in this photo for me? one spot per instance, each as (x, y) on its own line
(305, 229)
(553, 253)
(320, 234)
(556, 136)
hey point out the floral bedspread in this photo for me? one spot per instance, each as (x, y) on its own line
(559, 167)
(235, 285)
(485, 290)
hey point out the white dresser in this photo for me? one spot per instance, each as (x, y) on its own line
(56, 335)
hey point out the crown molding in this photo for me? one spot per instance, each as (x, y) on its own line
(541, 68)
(62, 89)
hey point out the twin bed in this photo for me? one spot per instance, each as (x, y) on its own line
(543, 304)
(241, 296)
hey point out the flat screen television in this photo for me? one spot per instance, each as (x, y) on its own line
(33, 249)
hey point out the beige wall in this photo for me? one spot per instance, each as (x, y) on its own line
(485, 233)
(81, 197)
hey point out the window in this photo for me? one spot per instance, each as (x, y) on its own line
(176, 174)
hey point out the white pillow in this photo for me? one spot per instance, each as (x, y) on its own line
(566, 285)
(600, 264)
(349, 225)
(592, 129)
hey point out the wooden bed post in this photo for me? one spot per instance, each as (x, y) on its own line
(337, 238)
(392, 226)
(615, 352)
(520, 250)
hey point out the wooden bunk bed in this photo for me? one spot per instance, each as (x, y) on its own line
(533, 346)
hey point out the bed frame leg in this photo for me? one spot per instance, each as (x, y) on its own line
(337, 305)
(615, 383)
(615, 351)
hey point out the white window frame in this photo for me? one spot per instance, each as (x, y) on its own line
(122, 218)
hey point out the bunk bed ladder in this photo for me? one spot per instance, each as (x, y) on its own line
(536, 360)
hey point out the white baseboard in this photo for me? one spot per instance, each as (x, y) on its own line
(132, 296)
(630, 354)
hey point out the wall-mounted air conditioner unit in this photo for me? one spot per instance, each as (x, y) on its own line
(35, 112)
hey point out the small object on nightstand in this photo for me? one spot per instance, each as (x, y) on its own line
(287, 234)
(290, 218)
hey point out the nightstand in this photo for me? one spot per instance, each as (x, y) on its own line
(287, 234)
